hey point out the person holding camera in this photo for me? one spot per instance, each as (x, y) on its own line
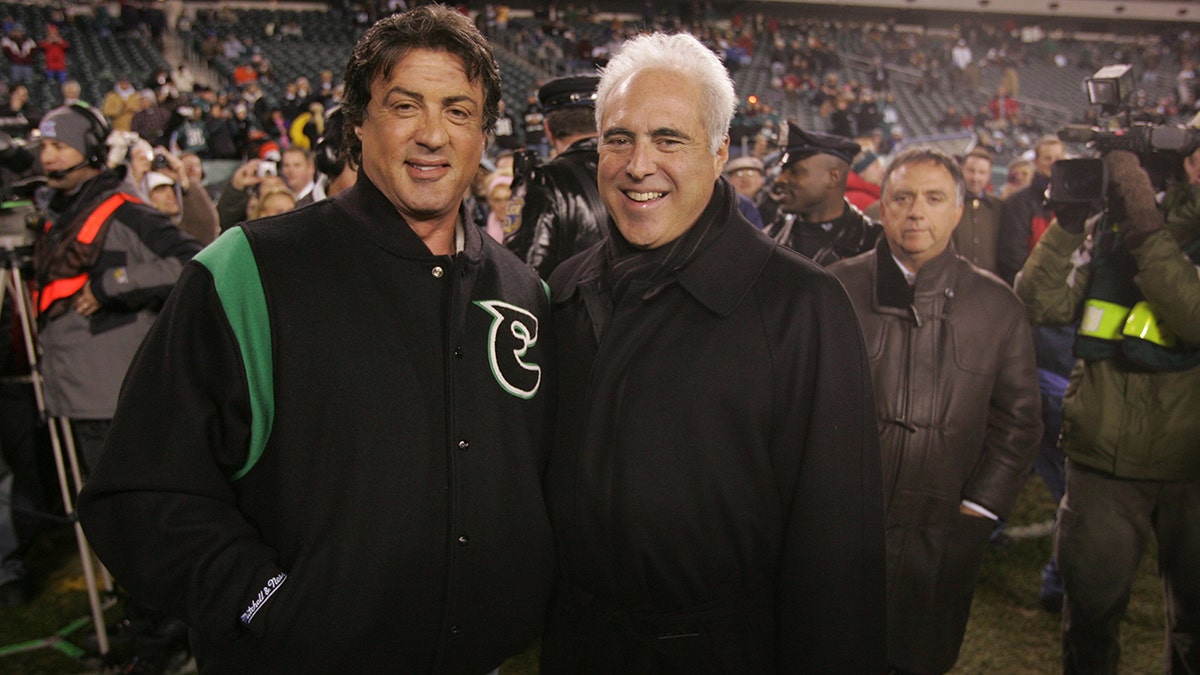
(1131, 425)
(171, 191)
(234, 203)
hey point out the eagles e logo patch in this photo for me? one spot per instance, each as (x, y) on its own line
(513, 332)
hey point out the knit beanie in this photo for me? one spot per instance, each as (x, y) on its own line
(70, 126)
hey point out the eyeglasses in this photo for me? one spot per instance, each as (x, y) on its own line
(744, 172)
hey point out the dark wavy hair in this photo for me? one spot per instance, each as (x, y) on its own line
(431, 27)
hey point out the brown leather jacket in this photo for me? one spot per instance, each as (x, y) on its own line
(956, 395)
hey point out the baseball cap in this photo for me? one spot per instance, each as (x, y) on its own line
(155, 179)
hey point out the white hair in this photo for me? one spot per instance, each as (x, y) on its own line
(687, 57)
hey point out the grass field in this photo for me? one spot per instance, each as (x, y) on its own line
(1008, 633)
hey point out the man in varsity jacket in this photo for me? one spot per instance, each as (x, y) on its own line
(328, 455)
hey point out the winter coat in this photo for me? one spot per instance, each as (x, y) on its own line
(1116, 419)
(341, 472)
(956, 394)
(848, 235)
(978, 230)
(715, 484)
(1023, 219)
(562, 208)
(141, 255)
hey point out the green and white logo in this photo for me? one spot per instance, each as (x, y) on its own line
(512, 333)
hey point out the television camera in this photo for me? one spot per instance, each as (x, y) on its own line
(1159, 147)
(18, 219)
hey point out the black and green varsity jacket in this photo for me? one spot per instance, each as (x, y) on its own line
(328, 454)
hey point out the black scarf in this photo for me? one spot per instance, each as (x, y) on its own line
(627, 267)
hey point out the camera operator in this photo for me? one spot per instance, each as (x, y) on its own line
(104, 264)
(1131, 416)
(172, 191)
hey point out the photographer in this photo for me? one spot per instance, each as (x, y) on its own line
(234, 203)
(1131, 416)
(171, 191)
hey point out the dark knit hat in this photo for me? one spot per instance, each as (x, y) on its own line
(77, 126)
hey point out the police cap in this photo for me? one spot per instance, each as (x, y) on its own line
(572, 91)
(799, 144)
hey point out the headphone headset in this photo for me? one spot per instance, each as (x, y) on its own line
(96, 139)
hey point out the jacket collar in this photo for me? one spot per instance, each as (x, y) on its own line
(719, 276)
(370, 211)
(722, 274)
(891, 289)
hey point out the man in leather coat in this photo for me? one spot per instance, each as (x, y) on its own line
(956, 395)
(814, 217)
(556, 211)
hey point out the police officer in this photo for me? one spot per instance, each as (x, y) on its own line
(814, 217)
(555, 211)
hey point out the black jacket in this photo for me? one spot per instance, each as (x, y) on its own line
(847, 236)
(345, 474)
(715, 486)
(1023, 219)
(561, 207)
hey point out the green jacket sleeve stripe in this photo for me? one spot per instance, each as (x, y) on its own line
(235, 274)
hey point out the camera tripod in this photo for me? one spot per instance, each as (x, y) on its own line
(15, 248)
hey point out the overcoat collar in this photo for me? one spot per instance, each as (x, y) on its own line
(719, 276)
(891, 290)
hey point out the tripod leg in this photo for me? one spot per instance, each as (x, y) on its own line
(22, 308)
(68, 497)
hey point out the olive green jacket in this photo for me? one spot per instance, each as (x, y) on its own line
(1130, 424)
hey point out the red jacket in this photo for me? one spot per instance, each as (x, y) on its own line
(55, 52)
(860, 192)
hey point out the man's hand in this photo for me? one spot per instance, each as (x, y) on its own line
(85, 302)
(174, 169)
(1131, 185)
(246, 176)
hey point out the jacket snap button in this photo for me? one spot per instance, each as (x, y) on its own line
(463, 445)
(438, 272)
(949, 292)
(462, 539)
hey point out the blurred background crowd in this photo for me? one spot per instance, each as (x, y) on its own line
(230, 85)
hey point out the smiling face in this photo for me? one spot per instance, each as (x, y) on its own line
(919, 209)
(163, 198)
(657, 171)
(422, 136)
(810, 185)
